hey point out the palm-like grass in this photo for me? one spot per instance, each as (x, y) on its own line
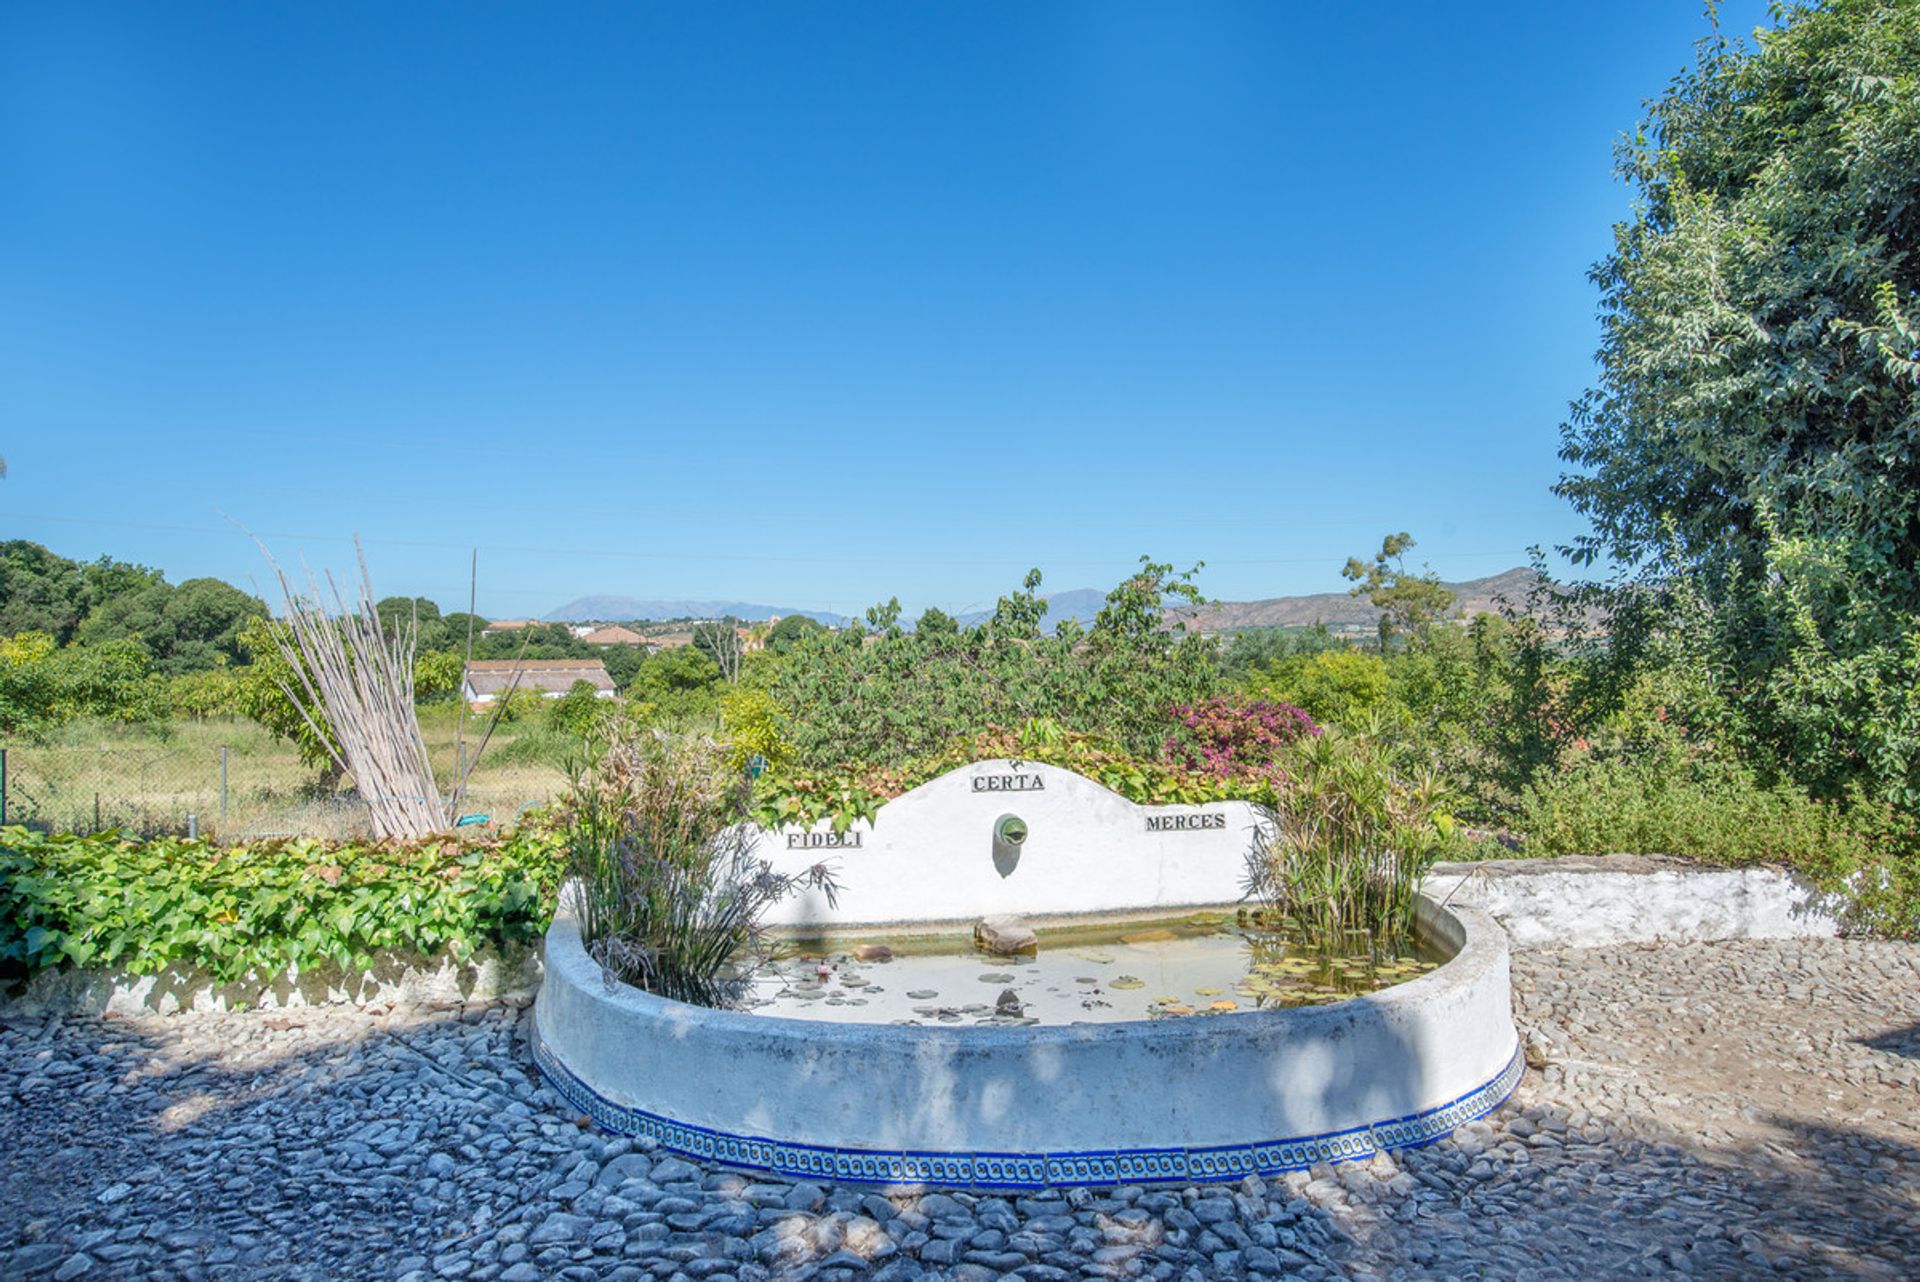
(1350, 843)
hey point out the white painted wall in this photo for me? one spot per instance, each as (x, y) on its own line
(929, 856)
(1595, 902)
(1246, 1078)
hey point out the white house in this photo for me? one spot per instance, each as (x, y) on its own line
(485, 680)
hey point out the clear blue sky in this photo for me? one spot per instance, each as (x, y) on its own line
(805, 304)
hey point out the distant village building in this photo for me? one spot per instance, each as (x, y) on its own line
(486, 680)
(670, 640)
(614, 635)
(509, 625)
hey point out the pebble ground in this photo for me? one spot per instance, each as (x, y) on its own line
(1746, 1110)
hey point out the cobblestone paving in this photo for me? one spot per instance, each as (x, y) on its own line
(1727, 1111)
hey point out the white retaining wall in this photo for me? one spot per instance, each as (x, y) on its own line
(1592, 902)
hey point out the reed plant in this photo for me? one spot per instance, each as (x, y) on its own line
(666, 878)
(1350, 841)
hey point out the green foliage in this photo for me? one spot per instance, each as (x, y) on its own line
(863, 699)
(1254, 648)
(680, 682)
(751, 722)
(671, 893)
(1352, 840)
(1673, 800)
(522, 705)
(203, 696)
(1339, 687)
(790, 631)
(935, 620)
(43, 592)
(254, 910)
(190, 628)
(1409, 604)
(272, 693)
(436, 675)
(578, 712)
(397, 613)
(539, 641)
(1748, 454)
(43, 686)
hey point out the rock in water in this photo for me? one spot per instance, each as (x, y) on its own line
(1008, 1004)
(1005, 936)
(873, 953)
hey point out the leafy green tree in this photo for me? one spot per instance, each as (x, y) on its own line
(1747, 459)
(41, 591)
(1252, 649)
(790, 631)
(203, 696)
(190, 628)
(436, 675)
(1342, 687)
(455, 628)
(540, 641)
(577, 712)
(43, 685)
(623, 663)
(1409, 603)
(681, 681)
(272, 694)
(935, 621)
(395, 612)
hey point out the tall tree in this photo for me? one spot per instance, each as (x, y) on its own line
(1752, 450)
(1409, 603)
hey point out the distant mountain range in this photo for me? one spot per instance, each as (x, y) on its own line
(1340, 612)
(624, 609)
(1080, 604)
(1343, 613)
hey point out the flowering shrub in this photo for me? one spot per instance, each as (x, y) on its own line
(1225, 738)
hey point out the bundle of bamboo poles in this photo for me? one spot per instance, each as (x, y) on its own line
(358, 680)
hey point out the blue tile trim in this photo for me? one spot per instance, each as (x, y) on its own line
(1029, 1170)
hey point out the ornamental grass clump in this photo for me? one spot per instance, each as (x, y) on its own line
(668, 886)
(1350, 842)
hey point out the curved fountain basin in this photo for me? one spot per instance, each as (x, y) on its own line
(1030, 1107)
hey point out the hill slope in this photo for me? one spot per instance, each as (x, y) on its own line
(1343, 613)
(621, 609)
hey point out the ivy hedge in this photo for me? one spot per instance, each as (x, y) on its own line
(257, 908)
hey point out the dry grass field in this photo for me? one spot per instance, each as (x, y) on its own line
(150, 779)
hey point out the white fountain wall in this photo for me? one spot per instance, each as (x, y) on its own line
(931, 857)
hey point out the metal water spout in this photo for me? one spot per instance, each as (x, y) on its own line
(1009, 834)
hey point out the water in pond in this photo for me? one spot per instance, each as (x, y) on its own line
(1186, 971)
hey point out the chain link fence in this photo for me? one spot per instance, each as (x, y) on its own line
(221, 791)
